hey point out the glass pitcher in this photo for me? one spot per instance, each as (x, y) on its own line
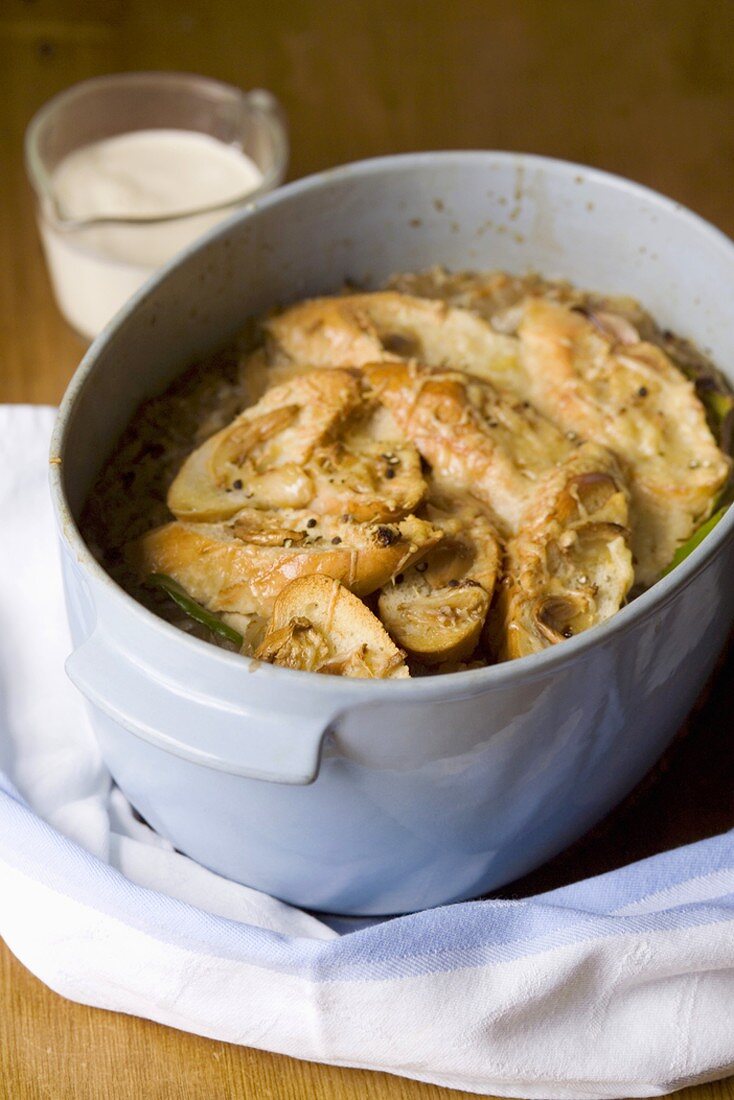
(94, 262)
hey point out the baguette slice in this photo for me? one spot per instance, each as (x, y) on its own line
(594, 375)
(436, 609)
(356, 329)
(571, 565)
(366, 480)
(241, 566)
(476, 438)
(258, 460)
(318, 625)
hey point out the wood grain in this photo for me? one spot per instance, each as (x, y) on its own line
(644, 89)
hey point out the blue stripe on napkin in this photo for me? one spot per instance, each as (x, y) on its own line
(452, 937)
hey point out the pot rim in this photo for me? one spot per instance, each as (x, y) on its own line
(448, 685)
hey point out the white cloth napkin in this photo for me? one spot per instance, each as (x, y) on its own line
(619, 986)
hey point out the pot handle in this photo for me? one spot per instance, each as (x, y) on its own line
(275, 747)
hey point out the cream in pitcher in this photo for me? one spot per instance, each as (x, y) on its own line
(130, 168)
(146, 174)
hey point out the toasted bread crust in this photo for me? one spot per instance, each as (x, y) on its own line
(259, 459)
(422, 448)
(571, 565)
(357, 329)
(596, 379)
(320, 626)
(436, 609)
(487, 443)
(297, 448)
(241, 566)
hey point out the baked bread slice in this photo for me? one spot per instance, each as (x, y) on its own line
(356, 329)
(300, 447)
(258, 460)
(593, 375)
(318, 625)
(366, 480)
(242, 565)
(436, 608)
(476, 438)
(570, 567)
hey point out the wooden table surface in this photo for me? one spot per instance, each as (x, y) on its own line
(644, 89)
